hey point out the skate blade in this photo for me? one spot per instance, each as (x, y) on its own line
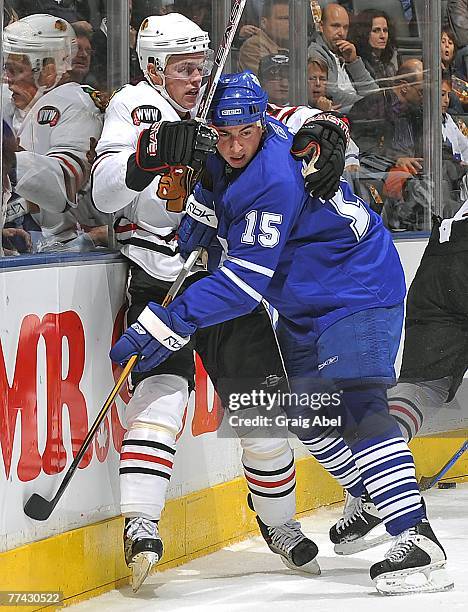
(312, 567)
(430, 579)
(370, 540)
(141, 565)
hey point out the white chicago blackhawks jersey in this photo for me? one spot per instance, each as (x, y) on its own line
(144, 227)
(53, 167)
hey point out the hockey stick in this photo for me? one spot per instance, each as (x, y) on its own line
(427, 482)
(37, 507)
(221, 57)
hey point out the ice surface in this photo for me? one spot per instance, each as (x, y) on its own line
(248, 577)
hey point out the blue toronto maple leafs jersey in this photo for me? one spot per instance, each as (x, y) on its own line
(315, 261)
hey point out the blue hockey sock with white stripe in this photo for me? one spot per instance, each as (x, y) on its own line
(387, 469)
(383, 458)
(332, 452)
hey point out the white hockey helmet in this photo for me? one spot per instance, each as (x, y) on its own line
(161, 36)
(41, 37)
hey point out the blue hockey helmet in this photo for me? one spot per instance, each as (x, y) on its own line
(238, 99)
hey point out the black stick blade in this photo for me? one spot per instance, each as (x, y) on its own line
(38, 508)
(426, 482)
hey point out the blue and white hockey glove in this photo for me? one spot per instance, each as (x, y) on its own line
(154, 337)
(199, 228)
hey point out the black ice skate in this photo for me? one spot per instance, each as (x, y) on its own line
(143, 548)
(414, 564)
(359, 528)
(296, 550)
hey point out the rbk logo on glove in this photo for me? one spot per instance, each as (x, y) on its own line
(200, 212)
(173, 343)
(153, 337)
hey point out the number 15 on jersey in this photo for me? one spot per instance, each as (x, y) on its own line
(262, 231)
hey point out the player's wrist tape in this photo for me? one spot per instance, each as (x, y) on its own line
(200, 212)
(160, 331)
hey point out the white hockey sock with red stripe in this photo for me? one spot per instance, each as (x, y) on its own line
(411, 404)
(154, 417)
(271, 477)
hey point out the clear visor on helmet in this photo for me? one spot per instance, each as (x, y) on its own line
(187, 67)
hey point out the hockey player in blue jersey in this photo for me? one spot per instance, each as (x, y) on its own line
(330, 269)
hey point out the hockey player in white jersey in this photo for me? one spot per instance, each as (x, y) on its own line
(55, 125)
(147, 198)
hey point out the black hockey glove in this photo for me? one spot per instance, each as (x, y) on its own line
(321, 143)
(175, 143)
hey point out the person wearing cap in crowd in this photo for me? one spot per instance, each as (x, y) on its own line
(272, 37)
(273, 72)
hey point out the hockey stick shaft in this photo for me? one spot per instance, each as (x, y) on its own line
(427, 482)
(219, 62)
(221, 57)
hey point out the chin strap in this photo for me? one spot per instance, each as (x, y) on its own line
(161, 89)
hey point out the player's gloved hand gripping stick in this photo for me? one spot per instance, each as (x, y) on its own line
(188, 143)
(37, 507)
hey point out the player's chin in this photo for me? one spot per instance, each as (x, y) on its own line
(237, 162)
(190, 99)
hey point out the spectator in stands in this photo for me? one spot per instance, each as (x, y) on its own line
(317, 79)
(387, 127)
(457, 20)
(348, 79)
(388, 122)
(448, 49)
(455, 132)
(457, 15)
(273, 36)
(373, 35)
(273, 73)
(167, 6)
(454, 155)
(81, 62)
(142, 8)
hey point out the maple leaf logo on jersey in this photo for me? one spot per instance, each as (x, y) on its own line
(48, 115)
(145, 114)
